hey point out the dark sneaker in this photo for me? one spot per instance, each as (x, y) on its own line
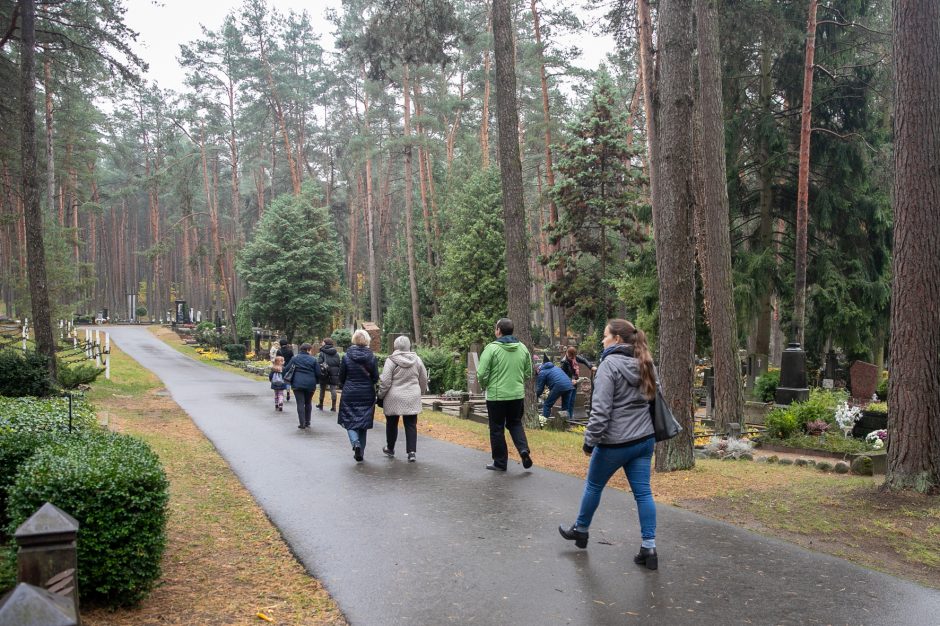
(647, 557)
(357, 454)
(388, 451)
(526, 459)
(579, 537)
(495, 467)
(411, 457)
(320, 407)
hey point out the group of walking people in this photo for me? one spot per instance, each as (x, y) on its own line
(398, 389)
(619, 433)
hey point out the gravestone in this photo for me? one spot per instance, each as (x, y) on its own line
(473, 362)
(792, 387)
(864, 380)
(375, 336)
(47, 551)
(391, 337)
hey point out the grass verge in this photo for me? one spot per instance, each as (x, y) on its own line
(225, 562)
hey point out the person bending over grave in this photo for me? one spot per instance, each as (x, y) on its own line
(559, 386)
(572, 366)
(505, 365)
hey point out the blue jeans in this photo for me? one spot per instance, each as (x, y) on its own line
(357, 437)
(569, 402)
(635, 459)
(567, 399)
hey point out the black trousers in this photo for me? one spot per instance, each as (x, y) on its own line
(323, 387)
(506, 415)
(303, 398)
(411, 431)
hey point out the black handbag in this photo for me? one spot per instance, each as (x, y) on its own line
(665, 424)
(289, 374)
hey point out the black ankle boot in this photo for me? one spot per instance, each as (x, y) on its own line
(580, 537)
(647, 557)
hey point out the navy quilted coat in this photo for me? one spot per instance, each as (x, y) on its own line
(358, 374)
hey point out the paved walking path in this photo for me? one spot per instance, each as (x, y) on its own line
(444, 541)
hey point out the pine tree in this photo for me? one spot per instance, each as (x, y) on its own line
(599, 194)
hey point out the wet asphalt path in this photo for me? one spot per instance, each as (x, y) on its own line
(445, 541)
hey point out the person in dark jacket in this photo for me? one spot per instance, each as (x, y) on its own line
(329, 369)
(358, 374)
(306, 375)
(575, 366)
(620, 434)
(559, 386)
(287, 352)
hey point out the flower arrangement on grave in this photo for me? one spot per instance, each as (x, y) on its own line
(877, 439)
(817, 427)
(846, 416)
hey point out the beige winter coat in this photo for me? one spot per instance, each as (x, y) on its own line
(404, 378)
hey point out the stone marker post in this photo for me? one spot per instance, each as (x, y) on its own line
(28, 605)
(47, 554)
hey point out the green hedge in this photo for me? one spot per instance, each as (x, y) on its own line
(24, 374)
(115, 487)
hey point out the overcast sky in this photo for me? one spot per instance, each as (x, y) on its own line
(165, 24)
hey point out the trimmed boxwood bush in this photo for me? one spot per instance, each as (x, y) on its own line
(235, 351)
(26, 424)
(114, 485)
(342, 337)
(24, 374)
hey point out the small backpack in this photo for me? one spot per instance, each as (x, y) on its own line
(277, 379)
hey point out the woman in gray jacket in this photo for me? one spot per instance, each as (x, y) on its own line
(619, 433)
(404, 378)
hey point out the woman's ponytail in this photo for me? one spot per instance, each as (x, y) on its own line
(641, 352)
(631, 335)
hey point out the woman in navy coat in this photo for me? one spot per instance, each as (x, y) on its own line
(358, 375)
(306, 376)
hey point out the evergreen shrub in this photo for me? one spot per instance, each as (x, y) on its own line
(342, 337)
(883, 387)
(235, 351)
(71, 375)
(444, 371)
(115, 487)
(781, 423)
(765, 387)
(24, 374)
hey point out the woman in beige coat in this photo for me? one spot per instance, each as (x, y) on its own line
(404, 378)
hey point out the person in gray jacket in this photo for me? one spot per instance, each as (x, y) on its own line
(620, 434)
(404, 378)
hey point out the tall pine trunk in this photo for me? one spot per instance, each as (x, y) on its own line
(375, 288)
(765, 232)
(672, 214)
(510, 169)
(914, 387)
(802, 188)
(409, 210)
(35, 248)
(719, 296)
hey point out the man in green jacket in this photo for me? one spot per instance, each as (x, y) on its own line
(505, 366)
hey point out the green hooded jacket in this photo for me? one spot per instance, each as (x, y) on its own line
(504, 367)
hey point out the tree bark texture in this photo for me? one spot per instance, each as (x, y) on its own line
(672, 217)
(802, 188)
(35, 248)
(510, 168)
(409, 210)
(914, 385)
(722, 320)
